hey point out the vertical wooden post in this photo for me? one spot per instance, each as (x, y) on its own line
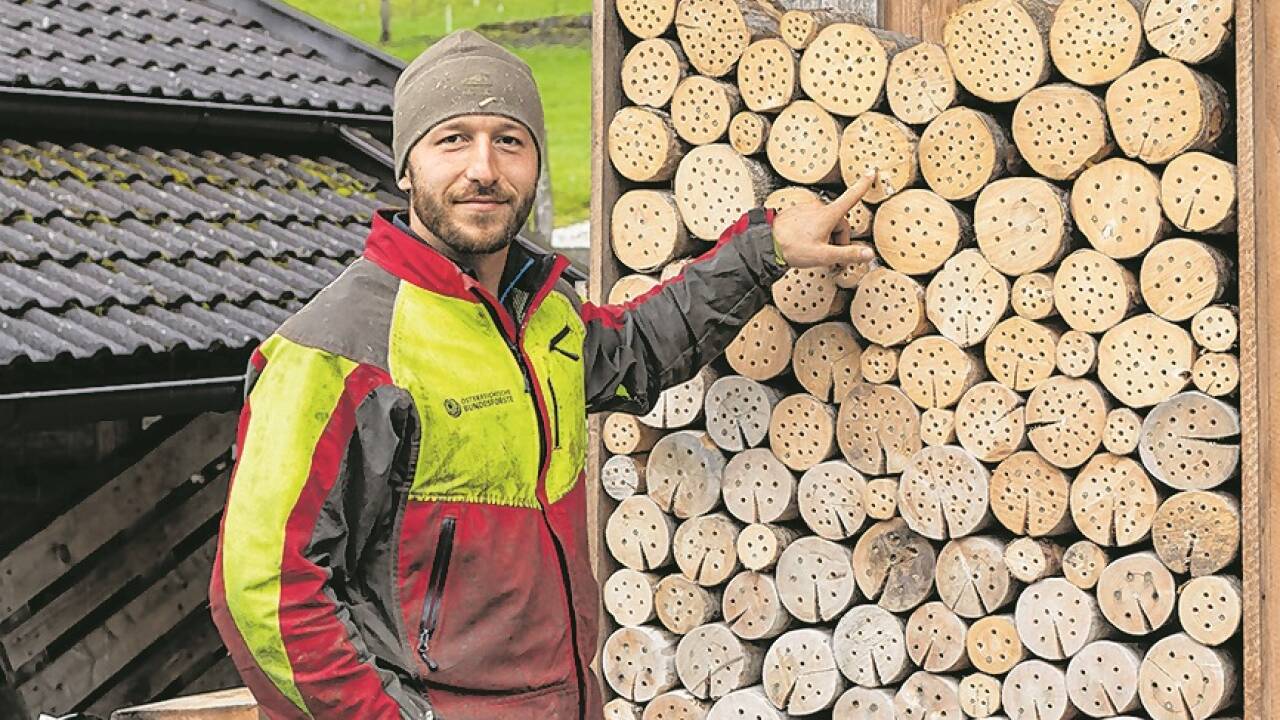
(918, 18)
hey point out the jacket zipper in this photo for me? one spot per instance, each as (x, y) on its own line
(555, 410)
(435, 591)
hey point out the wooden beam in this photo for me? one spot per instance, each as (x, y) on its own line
(918, 18)
(234, 704)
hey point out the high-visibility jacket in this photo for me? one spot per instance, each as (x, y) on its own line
(405, 531)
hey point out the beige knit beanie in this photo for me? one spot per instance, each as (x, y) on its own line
(463, 74)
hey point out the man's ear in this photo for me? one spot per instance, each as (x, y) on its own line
(404, 183)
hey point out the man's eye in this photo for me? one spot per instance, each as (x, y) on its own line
(509, 140)
(450, 139)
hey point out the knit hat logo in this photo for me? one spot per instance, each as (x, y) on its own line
(478, 80)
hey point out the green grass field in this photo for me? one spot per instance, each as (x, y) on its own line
(563, 71)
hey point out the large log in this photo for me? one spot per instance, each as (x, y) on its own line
(683, 605)
(1210, 608)
(832, 501)
(999, 49)
(973, 580)
(943, 493)
(1180, 277)
(1030, 496)
(889, 308)
(741, 184)
(962, 151)
(1093, 42)
(915, 231)
(1116, 206)
(1056, 619)
(1136, 594)
(935, 639)
(894, 566)
(738, 411)
(769, 75)
(815, 580)
(827, 360)
(715, 33)
(845, 67)
(643, 144)
(640, 662)
(684, 474)
(878, 429)
(638, 534)
(935, 372)
(758, 488)
(1163, 108)
(1180, 679)
(1145, 360)
(705, 549)
(920, 84)
(1102, 679)
(1036, 690)
(752, 607)
(702, 107)
(804, 144)
(1192, 32)
(875, 140)
(870, 646)
(802, 431)
(800, 673)
(966, 298)
(1198, 193)
(1113, 501)
(1065, 419)
(1197, 532)
(990, 422)
(651, 71)
(628, 596)
(1093, 292)
(925, 696)
(646, 230)
(1061, 129)
(1022, 224)
(1188, 442)
(647, 18)
(713, 662)
(1020, 353)
(763, 347)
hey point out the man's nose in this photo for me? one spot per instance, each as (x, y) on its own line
(482, 168)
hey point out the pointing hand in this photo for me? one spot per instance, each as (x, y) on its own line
(814, 234)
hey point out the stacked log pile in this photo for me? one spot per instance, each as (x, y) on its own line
(992, 473)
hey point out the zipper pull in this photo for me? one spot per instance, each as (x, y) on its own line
(424, 640)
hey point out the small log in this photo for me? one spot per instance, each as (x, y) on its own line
(827, 361)
(1189, 442)
(804, 144)
(1102, 679)
(702, 107)
(1113, 501)
(1093, 42)
(980, 695)
(681, 405)
(943, 493)
(972, 579)
(1083, 563)
(647, 18)
(1116, 206)
(936, 372)
(964, 150)
(999, 49)
(802, 431)
(760, 545)
(1056, 619)
(762, 349)
(815, 580)
(623, 476)
(1031, 296)
(1019, 353)
(622, 709)
(935, 639)
(878, 429)
(674, 268)
(1120, 437)
(916, 231)
(800, 673)
(1065, 419)
(640, 662)
(990, 422)
(685, 474)
(1061, 129)
(1197, 532)
(628, 596)
(875, 140)
(889, 308)
(713, 662)
(801, 27)
(752, 607)
(1198, 193)
(1145, 360)
(630, 287)
(938, 427)
(845, 67)
(638, 534)
(651, 70)
(1216, 374)
(870, 646)
(966, 298)
(676, 705)
(738, 411)
(705, 549)
(1210, 608)
(643, 144)
(1180, 277)
(920, 84)
(751, 703)
(894, 566)
(683, 605)
(1022, 224)
(993, 644)
(748, 133)
(1093, 292)
(769, 75)
(1136, 594)
(1163, 108)
(1192, 32)
(758, 488)
(809, 295)
(741, 184)
(882, 498)
(1077, 354)
(861, 703)
(880, 364)
(1180, 679)
(859, 218)
(1215, 328)
(1031, 560)
(646, 230)
(925, 696)
(832, 500)
(625, 434)
(715, 33)
(1030, 496)
(1036, 690)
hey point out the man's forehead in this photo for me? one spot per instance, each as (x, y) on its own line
(494, 122)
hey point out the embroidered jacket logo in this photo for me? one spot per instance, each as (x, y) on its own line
(479, 401)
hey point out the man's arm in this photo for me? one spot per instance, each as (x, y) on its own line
(636, 350)
(285, 535)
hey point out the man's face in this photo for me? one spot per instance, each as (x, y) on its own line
(471, 182)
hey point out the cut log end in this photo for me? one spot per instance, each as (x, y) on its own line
(1093, 42)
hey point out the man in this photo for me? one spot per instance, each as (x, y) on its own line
(405, 534)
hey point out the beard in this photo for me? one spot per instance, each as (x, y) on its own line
(481, 233)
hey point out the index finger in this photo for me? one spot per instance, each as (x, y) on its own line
(854, 193)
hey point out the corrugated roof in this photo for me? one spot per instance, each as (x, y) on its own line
(175, 49)
(120, 250)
